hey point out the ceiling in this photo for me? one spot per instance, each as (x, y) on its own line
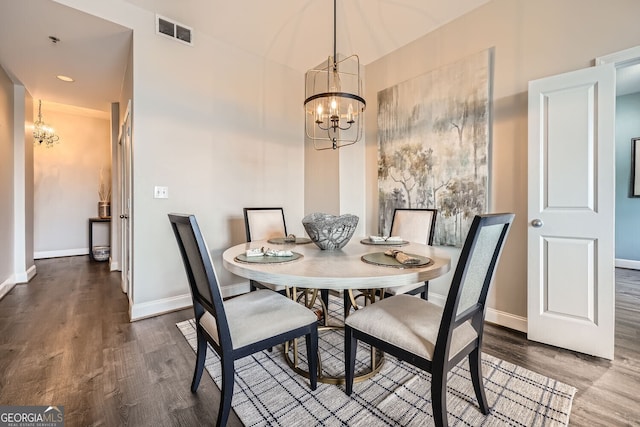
(92, 51)
(296, 33)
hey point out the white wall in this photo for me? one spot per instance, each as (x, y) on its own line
(532, 39)
(66, 180)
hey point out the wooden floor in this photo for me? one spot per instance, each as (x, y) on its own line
(65, 340)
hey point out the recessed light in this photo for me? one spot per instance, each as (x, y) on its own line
(65, 78)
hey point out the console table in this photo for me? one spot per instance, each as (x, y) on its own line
(91, 222)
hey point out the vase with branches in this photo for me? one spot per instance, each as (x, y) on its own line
(104, 195)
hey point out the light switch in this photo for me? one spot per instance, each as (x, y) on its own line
(161, 192)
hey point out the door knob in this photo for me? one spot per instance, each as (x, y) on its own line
(537, 223)
(124, 216)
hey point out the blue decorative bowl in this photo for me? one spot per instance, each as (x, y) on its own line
(330, 232)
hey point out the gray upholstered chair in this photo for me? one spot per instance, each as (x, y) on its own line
(413, 225)
(264, 224)
(241, 326)
(431, 337)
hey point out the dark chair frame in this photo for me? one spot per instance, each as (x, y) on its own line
(206, 297)
(423, 291)
(441, 365)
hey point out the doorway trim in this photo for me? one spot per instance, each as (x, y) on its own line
(622, 58)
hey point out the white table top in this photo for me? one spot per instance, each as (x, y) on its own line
(338, 269)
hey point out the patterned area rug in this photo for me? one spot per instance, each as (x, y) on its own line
(268, 393)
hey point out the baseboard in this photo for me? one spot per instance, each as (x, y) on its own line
(628, 263)
(507, 320)
(158, 307)
(62, 253)
(26, 276)
(167, 305)
(437, 299)
(114, 266)
(31, 272)
(492, 315)
(235, 289)
(6, 286)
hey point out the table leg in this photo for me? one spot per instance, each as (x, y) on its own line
(91, 241)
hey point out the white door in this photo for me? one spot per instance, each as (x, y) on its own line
(125, 147)
(571, 275)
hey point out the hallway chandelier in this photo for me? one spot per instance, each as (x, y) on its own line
(334, 106)
(42, 132)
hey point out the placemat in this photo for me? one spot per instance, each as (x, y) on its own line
(379, 258)
(281, 241)
(267, 259)
(368, 241)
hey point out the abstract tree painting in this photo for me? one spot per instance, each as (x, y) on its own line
(434, 136)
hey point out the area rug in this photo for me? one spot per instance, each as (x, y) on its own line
(268, 393)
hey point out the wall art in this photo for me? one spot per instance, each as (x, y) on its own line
(434, 137)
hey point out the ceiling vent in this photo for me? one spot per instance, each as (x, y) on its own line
(172, 29)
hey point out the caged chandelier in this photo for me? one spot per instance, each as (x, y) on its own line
(43, 133)
(333, 102)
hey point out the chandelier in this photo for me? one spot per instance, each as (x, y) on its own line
(333, 102)
(42, 132)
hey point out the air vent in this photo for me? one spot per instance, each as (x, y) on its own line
(172, 29)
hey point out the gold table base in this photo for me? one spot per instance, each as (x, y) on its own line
(309, 297)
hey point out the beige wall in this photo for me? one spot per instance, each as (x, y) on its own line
(321, 180)
(6, 183)
(16, 185)
(217, 113)
(66, 180)
(220, 127)
(24, 266)
(28, 186)
(532, 39)
(333, 182)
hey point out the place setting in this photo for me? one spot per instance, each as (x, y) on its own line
(290, 239)
(384, 241)
(267, 256)
(396, 259)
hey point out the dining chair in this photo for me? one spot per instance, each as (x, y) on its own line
(413, 225)
(263, 224)
(240, 326)
(431, 337)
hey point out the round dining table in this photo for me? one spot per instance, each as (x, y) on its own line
(357, 266)
(338, 269)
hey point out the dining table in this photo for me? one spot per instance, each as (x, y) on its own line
(360, 265)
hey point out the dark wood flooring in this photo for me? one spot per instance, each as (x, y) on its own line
(65, 339)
